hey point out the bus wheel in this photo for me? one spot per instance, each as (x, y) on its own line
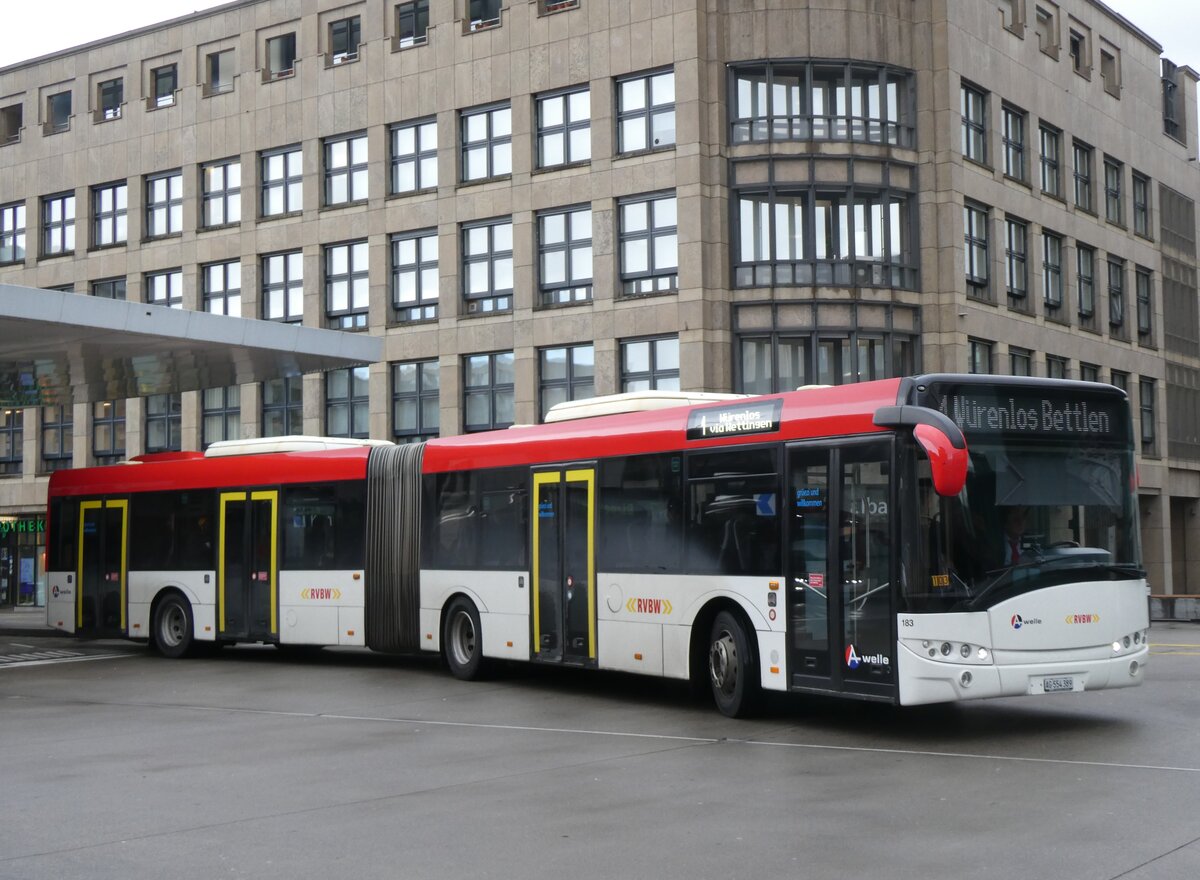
(731, 667)
(461, 640)
(173, 626)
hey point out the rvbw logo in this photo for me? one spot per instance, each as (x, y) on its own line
(855, 660)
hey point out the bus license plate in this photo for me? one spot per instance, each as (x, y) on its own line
(1062, 683)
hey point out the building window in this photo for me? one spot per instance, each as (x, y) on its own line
(283, 407)
(564, 128)
(649, 245)
(1051, 141)
(221, 186)
(12, 120)
(164, 204)
(164, 81)
(974, 124)
(221, 414)
(1141, 205)
(12, 439)
(646, 112)
(1052, 278)
(12, 232)
(1089, 372)
(1114, 210)
(414, 156)
(814, 235)
(1145, 304)
(347, 285)
(110, 214)
(58, 224)
(109, 288)
(650, 364)
(412, 24)
(979, 356)
(415, 281)
(347, 403)
(1119, 379)
(58, 431)
(1110, 69)
(791, 101)
(487, 269)
(108, 431)
(976, 250)
(283, 287)
(58, 112)
(546, 7)
(565, 256)
(110, 97)
(1173, 112)
(1016, 270)
(1081, 56)
(281, 56)
(1083, 177)
(1146, 393)
(487, 391)
(565, 373)
(483, 14)
(282, 181)
(222, 288)
(416, 405)
(1046, 27)
(219, 72)
(163, 423)
(1056, 367)
(345, 170)
(486, 143)
(165, 288)
(1116, 293)
(1014, 142)
(344, 37)
(1020, 361)
(1085, 271)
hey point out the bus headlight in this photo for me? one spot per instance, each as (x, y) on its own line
(965, 650)
(982, 654)
(945, 649)
(1116, 647)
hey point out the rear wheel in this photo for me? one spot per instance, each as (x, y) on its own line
(173, 628)
(732, 670)
(461, 640)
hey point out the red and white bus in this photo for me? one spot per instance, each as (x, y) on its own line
(917, 540)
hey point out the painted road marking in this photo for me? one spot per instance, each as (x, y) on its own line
(12, 661)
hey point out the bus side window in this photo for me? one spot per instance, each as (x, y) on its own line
(640, 527)
(503, 505)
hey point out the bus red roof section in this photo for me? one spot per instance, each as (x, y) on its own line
(196, 472)
(813, 412)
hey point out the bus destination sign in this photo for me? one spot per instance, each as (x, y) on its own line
(760, 417)
(1032, 414)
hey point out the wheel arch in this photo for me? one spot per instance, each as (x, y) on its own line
(701, 629)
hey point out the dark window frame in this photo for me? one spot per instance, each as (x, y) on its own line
(58, 227)
(288, 288)
(578, 379)
(566, 128)
(220, 198)
(648, 114)
(107, 214)
(356, 279)
(423, 158)
(572, 288)
(650, 280)
(222, 405)
(493, 298)
(170, 295)
(499, 394)
(495, 148)
(289, 184)
(345, 167)
(228, 295)
(426, 390)
(655, 377)
(351, 402)
(164, 204)
(13, 233)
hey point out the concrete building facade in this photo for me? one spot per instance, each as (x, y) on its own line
(534, 201)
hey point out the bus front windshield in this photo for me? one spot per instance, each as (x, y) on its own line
(1031, 515)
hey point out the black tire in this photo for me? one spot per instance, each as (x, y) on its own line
(732, 667)
(462, 644)
(174, 631)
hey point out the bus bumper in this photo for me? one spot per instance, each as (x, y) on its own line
(923, 680)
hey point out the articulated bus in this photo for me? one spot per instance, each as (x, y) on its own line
(919, 540)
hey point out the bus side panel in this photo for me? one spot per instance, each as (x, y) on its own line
(145, 585)
(502, 599)
(60, 600)
(630, 647)
(314, 604)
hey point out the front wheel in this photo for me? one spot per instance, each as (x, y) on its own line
(461, 640)
(173, 629)
(732, 670)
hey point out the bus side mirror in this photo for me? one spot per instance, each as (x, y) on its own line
(941, 439)
(947, 462)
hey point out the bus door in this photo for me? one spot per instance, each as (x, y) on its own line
(247, 567)
(841, 610)
(564, 565)
(103, 567)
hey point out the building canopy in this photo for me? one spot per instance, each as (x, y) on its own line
(60, 347)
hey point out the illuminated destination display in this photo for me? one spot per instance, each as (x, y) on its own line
(761, 417)
(990, 411)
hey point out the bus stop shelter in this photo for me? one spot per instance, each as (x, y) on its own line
(64, 347)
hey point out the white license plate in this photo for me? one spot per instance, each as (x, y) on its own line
(1061, 683)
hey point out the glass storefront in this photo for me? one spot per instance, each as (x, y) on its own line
(22, 560)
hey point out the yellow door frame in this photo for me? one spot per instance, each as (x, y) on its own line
(544, 478)
(272, 496)
(123, 574)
